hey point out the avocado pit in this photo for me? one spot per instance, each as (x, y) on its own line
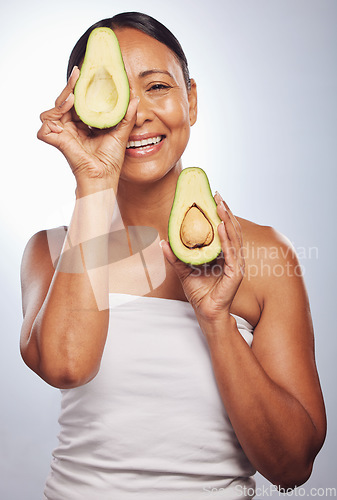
(196, 231)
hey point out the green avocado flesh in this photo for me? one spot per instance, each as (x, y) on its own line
(193, 222)
(102, 91)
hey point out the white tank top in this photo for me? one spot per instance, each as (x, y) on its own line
(151, 425)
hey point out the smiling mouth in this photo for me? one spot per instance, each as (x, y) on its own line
(144, 142)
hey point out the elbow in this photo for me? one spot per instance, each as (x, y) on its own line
(62, 372)
(294, 471)
(294, 468)
(67, 366)
(66, 375)
(61, 362)
(66, 380)
(288, 479)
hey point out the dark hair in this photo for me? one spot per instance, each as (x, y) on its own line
(138, 21)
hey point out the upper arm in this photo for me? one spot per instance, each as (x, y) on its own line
(283, 338)
(37, 270)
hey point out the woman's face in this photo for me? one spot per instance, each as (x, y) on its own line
(166, 109)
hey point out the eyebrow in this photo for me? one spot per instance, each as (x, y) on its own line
(148, 72)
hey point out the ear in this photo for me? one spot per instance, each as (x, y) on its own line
(193, 102)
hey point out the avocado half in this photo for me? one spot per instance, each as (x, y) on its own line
(102, 92)
(193, 222)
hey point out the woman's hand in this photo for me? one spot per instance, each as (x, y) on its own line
(90, 153)
(211, 288)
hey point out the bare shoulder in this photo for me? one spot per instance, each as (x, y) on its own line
(44, 245)
(268, 253)
(272, 269)
(275, 275)
(263, 236)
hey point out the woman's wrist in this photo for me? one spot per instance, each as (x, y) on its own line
(88, 186)
(217, 327)
(93, 212)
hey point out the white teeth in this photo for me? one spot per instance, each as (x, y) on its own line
(144, 142)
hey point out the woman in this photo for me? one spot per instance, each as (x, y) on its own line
(181, 386)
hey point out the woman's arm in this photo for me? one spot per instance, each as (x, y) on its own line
(271, 391)
(65, 318)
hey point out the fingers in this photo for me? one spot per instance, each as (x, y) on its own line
(132, 109)
(230, 237)
(112, 149)
(182, 269)
(64, 101)
(231, 224)
(222, 207)
(126, 125)
(49, 133)
(59, 112)
(69, 88)
(54, 119)
(232, 252)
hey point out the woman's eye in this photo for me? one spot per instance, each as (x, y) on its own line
(159, 86)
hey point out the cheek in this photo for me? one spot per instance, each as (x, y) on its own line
(175, 114)
(178, 122)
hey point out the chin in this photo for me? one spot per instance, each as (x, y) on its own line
(147, 173)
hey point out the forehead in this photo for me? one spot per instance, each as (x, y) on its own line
(141, 52)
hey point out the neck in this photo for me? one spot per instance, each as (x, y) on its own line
(148, 204)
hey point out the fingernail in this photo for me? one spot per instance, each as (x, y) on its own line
(218, 194)
(58, 127)
(72, 71)
(222, 204)
(66, 100)
(161, 243)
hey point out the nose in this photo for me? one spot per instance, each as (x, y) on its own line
(144, 110)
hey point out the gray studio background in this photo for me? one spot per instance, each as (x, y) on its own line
(266, 135)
